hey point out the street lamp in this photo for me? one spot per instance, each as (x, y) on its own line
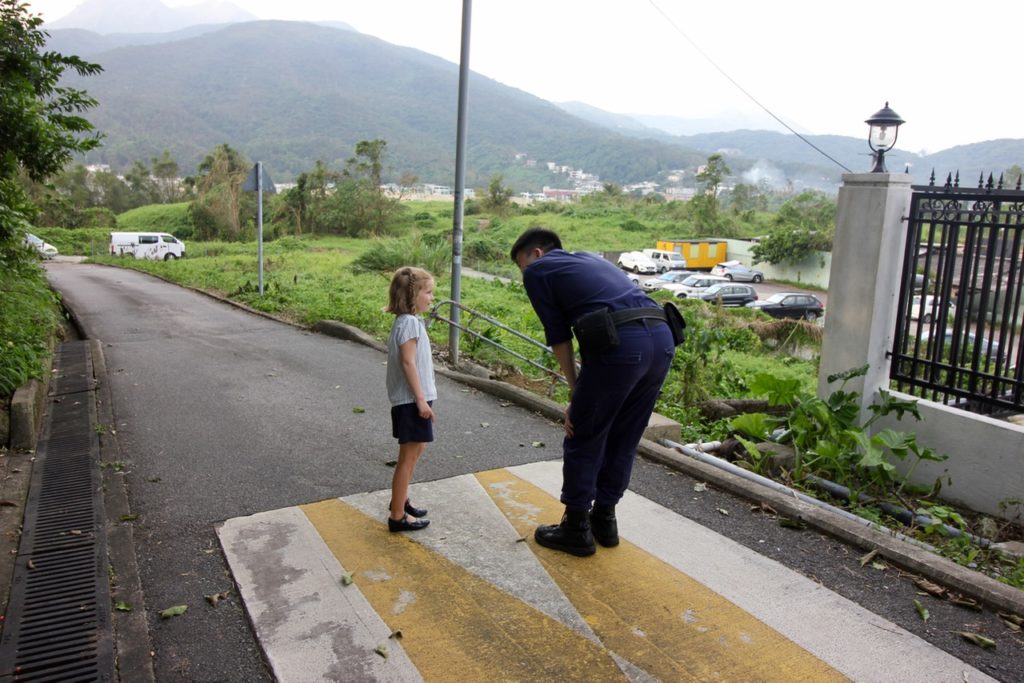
(885, 126)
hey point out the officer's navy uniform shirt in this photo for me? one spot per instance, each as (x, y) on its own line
(563, 285)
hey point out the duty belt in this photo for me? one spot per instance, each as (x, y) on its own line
(628, 315)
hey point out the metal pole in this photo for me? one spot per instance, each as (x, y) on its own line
(259, 219)
(460, 181)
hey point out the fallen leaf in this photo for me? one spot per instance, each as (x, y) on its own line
(175, 611)
(122, 606)
(382, 651)
(485, 425)
(723, 511)
(977, 639)
(787, 523)
(969, 603)
(700, 486)
(929, 587)
(922, 611)
(537, 444)
(880, 566)
(397, 635)
(391, 463)
(868, 557)
(1014, 619)
(346, 579)
(30, 564)
(129, 518)
(217, 597)
(504, 404)
(358, 409)
(75, 532)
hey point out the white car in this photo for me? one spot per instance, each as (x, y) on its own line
(930, 308)
(665, 260)
(636, 262)
(672, 277)
(695, 284)
(44, 249)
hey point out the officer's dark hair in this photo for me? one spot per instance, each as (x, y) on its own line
(536, 238)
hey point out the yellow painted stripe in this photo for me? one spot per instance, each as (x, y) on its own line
(455, 626)
(650, 613)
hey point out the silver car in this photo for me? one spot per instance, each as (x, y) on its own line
(734, 270)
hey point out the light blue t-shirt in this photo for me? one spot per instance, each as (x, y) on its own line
(408, 327)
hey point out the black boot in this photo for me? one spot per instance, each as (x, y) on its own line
(605, 527)
(571, 536)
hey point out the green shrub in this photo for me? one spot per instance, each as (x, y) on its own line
(29, 317)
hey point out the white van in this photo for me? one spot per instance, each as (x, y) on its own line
(666, 260)
(157, 246)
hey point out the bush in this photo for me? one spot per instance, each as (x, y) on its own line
(433, 254)
(633, 226)
(29, 317)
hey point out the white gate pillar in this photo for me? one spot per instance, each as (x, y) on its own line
(867, 256)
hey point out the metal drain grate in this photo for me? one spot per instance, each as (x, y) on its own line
(58, 623)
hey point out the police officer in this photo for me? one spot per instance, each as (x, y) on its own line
(623, 365)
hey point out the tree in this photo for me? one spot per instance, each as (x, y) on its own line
(40, 126)
(705, 205)
(498, 198)
(165, 178)
(1013, 176)
(217, 210)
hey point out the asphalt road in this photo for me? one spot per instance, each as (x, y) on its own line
(220, 413)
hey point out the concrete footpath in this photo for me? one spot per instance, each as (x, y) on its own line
(333, 596)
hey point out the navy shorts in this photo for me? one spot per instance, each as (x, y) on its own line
(408, 427)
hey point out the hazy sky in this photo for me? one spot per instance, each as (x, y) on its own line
(821, 67)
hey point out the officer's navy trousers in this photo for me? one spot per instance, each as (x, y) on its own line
(610, 408)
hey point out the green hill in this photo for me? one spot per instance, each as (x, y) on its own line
(289, 93)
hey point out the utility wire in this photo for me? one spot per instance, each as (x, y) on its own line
(741, 88)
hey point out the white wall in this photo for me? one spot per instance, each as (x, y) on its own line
(813, 270)
(986, 456)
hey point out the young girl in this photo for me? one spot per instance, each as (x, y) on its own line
(411, 389)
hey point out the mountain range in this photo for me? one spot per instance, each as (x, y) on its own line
(291, 93)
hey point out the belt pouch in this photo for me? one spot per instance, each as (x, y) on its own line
(595, 331)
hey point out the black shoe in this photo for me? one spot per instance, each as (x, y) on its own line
(604, 525)
(415, 512)
(404, 525)
(571, 536)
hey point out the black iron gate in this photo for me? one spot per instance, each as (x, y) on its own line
(960, 312)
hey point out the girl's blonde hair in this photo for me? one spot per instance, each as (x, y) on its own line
(405, 285)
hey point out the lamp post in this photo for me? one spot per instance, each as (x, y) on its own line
(885, 126)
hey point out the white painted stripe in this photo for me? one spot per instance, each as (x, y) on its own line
(468, 529)
(853, 640)
(311, 627)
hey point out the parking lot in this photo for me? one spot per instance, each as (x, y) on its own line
(766, 289)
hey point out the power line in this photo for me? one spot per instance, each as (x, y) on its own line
(741, 88)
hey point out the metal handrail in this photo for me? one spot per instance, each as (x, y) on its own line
(474, 315)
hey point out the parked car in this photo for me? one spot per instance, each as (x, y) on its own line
(670, 278)
(791, 305)
(695, 284)
(734, 270)
(666, 260)
(636, 262)
(930, 308)
(157, 246)
(728, 294)
(44, 249)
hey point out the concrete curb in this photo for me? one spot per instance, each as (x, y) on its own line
(26, 413)
(131, 628)
(970, 583)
